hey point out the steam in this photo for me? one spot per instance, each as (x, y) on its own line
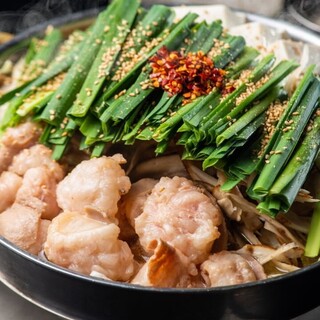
(41, 11)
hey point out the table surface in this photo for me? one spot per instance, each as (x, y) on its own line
(14, 307)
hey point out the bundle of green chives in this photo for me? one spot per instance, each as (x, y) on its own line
(100, 87)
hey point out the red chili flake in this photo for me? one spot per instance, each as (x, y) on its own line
(192, 74)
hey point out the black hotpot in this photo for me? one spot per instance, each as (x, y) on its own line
(75, 296)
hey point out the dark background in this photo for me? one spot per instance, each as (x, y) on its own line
(74, 5)
(17, 16)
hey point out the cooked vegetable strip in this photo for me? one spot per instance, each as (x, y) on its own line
(112, 42)
(312, 248)
(242, 165)
(44, 53)
(247, 117)
(248, 96)
(239, 132)
(130, 134)
(58, 135)
(200, 111)
(165, 129)
(32, 51)
(226, 49)
(98, 149)
(58, 138)
(285, 189)
(40, 96)
(36, 101)
(219, 112)
(56, 67)
(291, 133)
(66, 93)
(12, 93)
(91, 126)
(246, 60)
(250, 160)
(158, 114)
(68, 46)
(145, 35)
(277, 74)
(120, 108)
(204, 36)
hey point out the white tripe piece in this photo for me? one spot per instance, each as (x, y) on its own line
(211, 13)
(304, 54)
(286, 49)
(258, 35)
(268, 8)
(310, 55)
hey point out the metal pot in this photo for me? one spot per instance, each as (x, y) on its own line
(75, 296)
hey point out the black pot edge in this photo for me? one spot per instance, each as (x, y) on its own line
(59, 291)
(49, 265)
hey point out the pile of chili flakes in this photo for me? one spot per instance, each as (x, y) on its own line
(192, 74)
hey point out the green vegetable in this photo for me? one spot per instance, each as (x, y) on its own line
(41, 54)
(117, 31)
(171, 40)
(248, 161)
(288, 140)
(19, 95)
(248, 117)
(239, 132)
(287, 185)
(312, 248)
(66, 93)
